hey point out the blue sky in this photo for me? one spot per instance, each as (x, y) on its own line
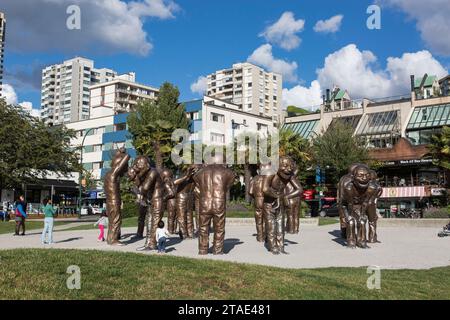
(191, 38)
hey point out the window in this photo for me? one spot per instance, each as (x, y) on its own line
(250, 84)
(216, 117)
(120, 127)
(97, 165)
(217, 137)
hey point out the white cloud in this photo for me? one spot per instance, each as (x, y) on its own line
(432, 19)
(354, 70)
(330, 25)
(303, 97)
(200, 86)
(9, 94)
(107, 26)
(263, 57)
(283, 32)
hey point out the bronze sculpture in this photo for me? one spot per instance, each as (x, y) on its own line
(256, 191)
(293, 207)
(119, 166)
(183, 203)
(213, 182)
(275, 198)
(158, 191)
(357, 194)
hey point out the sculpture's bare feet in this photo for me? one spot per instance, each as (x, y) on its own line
(117, 243)
(144, 248)
(275, 251)
(351, 245)
(201, 252)
(363, 245)
(284, 252)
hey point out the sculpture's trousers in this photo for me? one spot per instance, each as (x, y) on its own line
(156, 212)
(190, 218)
(171, 216)
(372, 216)
(259, 219)
(293, 219)
(114, 221)
(218, 219)
(181, 207)
(141, 220)
(274, 227)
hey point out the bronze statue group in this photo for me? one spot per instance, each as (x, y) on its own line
(276, 194)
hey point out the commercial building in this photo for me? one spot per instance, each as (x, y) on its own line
(65, 90)
(249, 87)
(397, 132)
(2, 46)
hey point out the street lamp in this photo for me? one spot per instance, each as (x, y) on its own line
(81, 172)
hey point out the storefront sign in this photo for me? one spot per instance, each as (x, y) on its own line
(438, 192)
(407, 162)
(404, 192)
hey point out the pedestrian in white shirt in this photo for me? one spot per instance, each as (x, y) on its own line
(161, 237)
(102, 224)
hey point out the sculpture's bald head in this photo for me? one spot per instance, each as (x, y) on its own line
(362, 176)
(287, 167)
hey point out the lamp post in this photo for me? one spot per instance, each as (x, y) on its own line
(81, 172)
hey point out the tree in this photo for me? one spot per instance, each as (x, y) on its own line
(30, 149)
(440, 148)
(298, 148)
(336, 149)
(153, 122)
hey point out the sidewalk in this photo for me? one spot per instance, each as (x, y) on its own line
(314, 247)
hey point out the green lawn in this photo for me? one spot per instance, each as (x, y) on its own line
(9, 227)
(323, 221)
(41, 274)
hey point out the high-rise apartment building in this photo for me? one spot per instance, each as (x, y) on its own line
(250, 87)
(119, 95)
(2, 46)
(65, 90)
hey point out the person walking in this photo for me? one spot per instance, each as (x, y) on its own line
(49, 213)
(161, 237)
(21, 215)
(102, 223)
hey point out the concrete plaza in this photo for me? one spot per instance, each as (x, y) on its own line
(314, 247)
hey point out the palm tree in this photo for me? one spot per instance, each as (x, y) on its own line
(440, 148)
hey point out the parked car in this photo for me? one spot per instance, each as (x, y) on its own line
(329, 211)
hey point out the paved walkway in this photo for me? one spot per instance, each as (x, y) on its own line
(314, 247)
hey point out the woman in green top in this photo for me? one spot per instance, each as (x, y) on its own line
(48, 221)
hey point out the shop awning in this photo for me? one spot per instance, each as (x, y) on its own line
(429, 117)
(304, 128)
(405, 192)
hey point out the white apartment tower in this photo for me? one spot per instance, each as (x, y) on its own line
(2, 46)
(119, 95)
(250, 87)
(65, 90)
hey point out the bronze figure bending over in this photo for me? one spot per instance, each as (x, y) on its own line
(119, 166)
(274, 199)
(213, 181)
(357, 195)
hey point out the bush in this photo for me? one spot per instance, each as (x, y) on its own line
(130, 209)
(437, 213)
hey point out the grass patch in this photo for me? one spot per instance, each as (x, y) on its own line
(9, 227)
(115, 275)
(323, 221)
